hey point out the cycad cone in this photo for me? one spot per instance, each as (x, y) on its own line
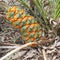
(29, 27)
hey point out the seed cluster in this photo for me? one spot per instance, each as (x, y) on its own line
(30, 29)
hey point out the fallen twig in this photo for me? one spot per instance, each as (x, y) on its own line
(17, 49)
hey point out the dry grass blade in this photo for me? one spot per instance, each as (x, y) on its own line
(9, 47)
(44, 54)
(2, 15)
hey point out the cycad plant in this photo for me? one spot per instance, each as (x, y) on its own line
(32, 26)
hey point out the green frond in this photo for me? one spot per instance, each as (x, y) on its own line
(39, 5)
(57, 9)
